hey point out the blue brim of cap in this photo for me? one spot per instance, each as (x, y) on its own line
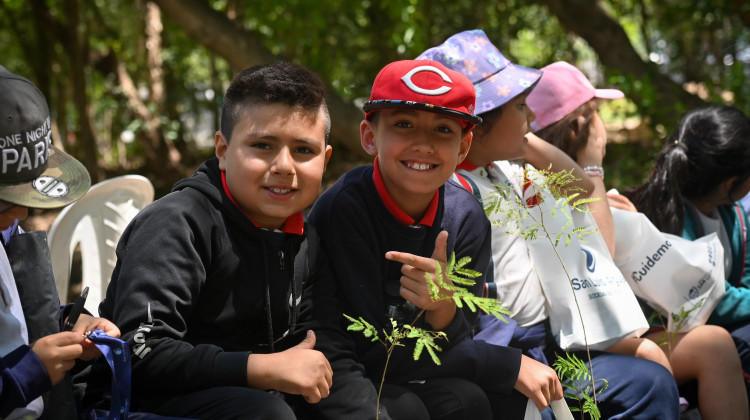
(494, 91)
(398, 104)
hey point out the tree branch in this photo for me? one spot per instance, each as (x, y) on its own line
(606, 36)
(242, 49)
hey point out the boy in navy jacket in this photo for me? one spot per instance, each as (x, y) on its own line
(387, 224)
(220, 287)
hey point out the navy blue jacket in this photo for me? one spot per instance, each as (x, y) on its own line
(357, 230)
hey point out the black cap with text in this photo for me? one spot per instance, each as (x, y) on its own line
(33, 172)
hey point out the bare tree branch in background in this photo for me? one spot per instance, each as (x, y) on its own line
(242, 49)
(606, 36)
(742, 7)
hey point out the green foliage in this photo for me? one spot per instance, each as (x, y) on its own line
(702, 45)
(515, 211)
(424, 340)
(450, 283)
(517, 220)
(576, 374)
(446, 284)
(368, 330)
(678, 320)
(461, 277)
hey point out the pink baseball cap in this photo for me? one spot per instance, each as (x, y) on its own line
(561, 90)
(424, 85)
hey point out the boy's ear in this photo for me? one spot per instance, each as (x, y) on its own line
(329, 150)
(465, 145)
(367, 137)
(220, 146)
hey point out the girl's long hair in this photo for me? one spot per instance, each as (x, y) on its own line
(710, 145)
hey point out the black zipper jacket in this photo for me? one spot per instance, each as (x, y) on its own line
(197, 288)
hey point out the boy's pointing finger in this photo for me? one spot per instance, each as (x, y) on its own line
(420, 263)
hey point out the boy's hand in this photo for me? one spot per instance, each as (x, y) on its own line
(88, 323)
(414, 282)
(539, 382)
(299, 370)
(58, 353)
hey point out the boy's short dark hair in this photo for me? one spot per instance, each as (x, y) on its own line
(280, 82)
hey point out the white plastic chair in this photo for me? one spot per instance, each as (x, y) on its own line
(96, 222)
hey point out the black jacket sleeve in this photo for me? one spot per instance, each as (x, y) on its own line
(161, 269)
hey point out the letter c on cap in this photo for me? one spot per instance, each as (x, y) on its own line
(432, 92)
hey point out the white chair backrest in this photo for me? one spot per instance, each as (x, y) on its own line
(96, 222)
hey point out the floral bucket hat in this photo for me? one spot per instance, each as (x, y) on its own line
(495, 78)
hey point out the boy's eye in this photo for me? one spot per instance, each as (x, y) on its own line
(444, 129)
(304, 150)
(403, 124)
(261, 145)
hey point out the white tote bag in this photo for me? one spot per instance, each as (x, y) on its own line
(670, 273)
(608, 307)
(559, 407)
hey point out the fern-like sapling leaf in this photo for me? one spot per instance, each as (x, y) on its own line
(433, 355)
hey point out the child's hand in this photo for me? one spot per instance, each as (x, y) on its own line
(538, 382)
(414, 282)
(58, 353)
(621, 202)
(592, 154)
(299, 370)
(88, 323)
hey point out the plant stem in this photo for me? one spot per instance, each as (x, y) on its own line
(575, 298)
(417, 317)
(382, 379)
(580, 316)
(387, 360)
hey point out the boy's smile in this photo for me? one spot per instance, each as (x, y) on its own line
(417, 153)
(274, 162)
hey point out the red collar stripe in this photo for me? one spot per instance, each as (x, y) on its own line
(429, 217)
(226, 188)
(464, 183)
(466, 165)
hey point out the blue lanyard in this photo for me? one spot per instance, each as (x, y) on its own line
(117, 353)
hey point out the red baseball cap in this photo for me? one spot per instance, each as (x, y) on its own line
(424, 85)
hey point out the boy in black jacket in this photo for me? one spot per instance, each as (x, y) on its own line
(386, 225)
(220, 287)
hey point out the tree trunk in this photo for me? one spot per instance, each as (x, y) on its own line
(590, 21)
(77, 47)
(242, 49)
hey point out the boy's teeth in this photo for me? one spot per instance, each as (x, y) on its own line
(280, 190)
(419, 166)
